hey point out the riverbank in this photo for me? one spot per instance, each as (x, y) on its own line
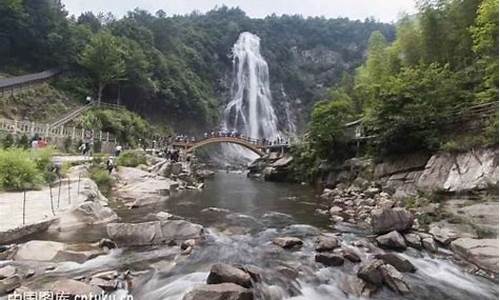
(245, 238)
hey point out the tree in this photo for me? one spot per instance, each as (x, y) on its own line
(327, 125)
(485, 38)
(103, 57)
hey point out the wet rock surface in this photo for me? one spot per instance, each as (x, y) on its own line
(224, 273)
(156, 232)
(288, 242)
(481, 252)
(222, 291)
(392, 240)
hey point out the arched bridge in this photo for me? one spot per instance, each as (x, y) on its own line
(257, 146)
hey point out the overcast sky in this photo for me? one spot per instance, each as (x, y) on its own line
(383, 10)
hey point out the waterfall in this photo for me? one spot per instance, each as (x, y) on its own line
(250, 110)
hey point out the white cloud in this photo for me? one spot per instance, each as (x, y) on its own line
(383, 10)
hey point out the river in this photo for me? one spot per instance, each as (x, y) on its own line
(258, 212)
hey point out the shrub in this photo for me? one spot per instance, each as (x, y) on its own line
(18, 170)
(132, 158)
(8, 141)
(102, 178)
(43, 161)
(67, 144)
(23, 142)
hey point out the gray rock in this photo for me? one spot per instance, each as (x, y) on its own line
(73, 287)
(224, 273)
(215, 211)
(394, 279)
(155, 232)
(351, 255)
(8, 285)
(445, 232)
(287, 242)
(413, 240)
(459, 172)
(392, 240)
(107, 285)
(107, 243)
(429, 245)
(56, 252)
(397, 261)
(326, 243)
(335, 210)
(481, 252)
(7, 271)
(370, 273)
(223, 291)
(389, 219)
(329, 259)
(355, 286)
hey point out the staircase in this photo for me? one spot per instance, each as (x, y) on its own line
(71, 115)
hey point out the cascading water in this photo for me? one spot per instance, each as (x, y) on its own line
(250, 111)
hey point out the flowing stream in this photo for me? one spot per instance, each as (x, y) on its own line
(258, 212)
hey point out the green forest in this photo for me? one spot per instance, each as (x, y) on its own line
(174, 69)
(403, 79)
(443, 60)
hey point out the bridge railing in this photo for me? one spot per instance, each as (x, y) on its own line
(257, 142)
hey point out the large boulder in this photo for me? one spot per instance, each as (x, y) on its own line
(370, 273)
(397, 261)
(56, 252)
(476, 169)
(481, 252)
(445, 232)
(329, 259)
(355, 286)
(74, 288)
(389, 219)
(155, 232)
(393, 279)
(326, 243)
(413, 240)
(287, 242)
(222, 273)
(392, 240)
(222, 291)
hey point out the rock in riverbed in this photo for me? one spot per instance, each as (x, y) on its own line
(369, 272)
(390, 219)
(56, 251)
(357, 287)
(151, 233)
(224, 273)
(481, 252)
(287, 242)
(393, 279)
(397, 261)
(392, 240)
(329, 259)
(326, 243)
(222, 291)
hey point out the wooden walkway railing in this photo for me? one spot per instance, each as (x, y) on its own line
(45, 130)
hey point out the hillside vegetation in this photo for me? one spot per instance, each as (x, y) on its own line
(443, 61)
(177, 69)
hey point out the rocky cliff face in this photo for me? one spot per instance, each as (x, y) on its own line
(407, 175)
